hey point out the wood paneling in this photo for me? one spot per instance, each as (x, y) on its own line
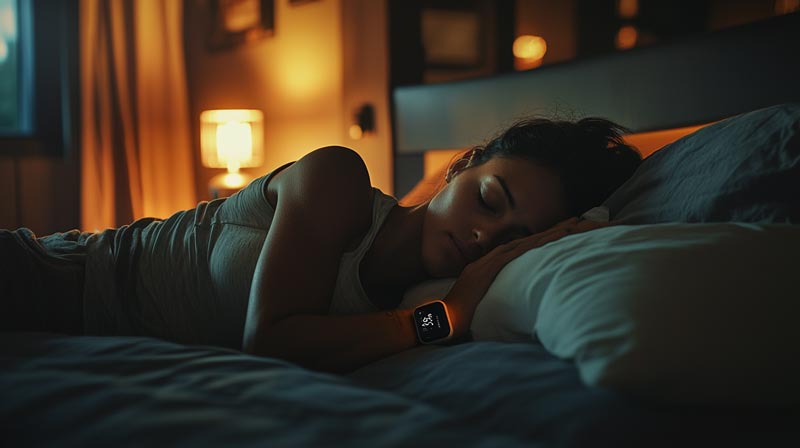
(8, 205)
(40, 193)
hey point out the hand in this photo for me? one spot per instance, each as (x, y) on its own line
(475, 279)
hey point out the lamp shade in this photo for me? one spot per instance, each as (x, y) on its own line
(232, 138)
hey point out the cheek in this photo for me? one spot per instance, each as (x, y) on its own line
(432, 229)
(441, 220)
(436, 215)
(448, 206)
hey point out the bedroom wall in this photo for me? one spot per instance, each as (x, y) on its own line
(366, 80)
(39, 192)
(297, 77)
(554, 21)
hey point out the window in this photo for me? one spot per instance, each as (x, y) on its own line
(38, 76)
(9, 68)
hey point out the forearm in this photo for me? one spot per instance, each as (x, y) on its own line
(335, 343)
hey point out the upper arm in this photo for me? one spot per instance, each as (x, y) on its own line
(324, 201)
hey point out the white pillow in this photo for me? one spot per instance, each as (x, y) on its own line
(700, 313)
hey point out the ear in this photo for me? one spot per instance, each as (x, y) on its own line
(462, 163)
(457, 167)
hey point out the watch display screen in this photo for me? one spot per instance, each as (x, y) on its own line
(431, 321)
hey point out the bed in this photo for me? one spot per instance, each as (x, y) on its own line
(677, 327)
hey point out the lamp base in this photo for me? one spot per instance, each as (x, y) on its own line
(226, 184)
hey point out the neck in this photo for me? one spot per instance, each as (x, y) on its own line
(395, 258)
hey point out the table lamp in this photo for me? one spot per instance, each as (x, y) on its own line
(231, 139)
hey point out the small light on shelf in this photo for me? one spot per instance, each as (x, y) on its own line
(627, 36)
(355, 132)
(364, 122)
(528, 51)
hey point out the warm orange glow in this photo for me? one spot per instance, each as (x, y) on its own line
(355, 132)
(231, 138)
(627, 9)
(436, 160)
(529, 52)
(649, 142)
(234, 144)
(304, 75)
(786, 6)
(227, 182)
(529, 47)
(627, 37)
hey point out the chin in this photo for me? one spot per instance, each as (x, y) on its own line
(436, 262)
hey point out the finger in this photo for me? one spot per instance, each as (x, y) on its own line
(590, 225)
(556, 234)
(566, 227)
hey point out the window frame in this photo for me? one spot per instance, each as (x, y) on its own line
(48, 37)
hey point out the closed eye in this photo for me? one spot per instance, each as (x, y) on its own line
(483, 202)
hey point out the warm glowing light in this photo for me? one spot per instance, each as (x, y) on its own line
(786, 6)
(233, 180)
(627, 37)
(649, 142)
(356, 132)
(528, 51)
(529, 47)
(234, 144)
(227, 182)
(627, 9)
(231, 138)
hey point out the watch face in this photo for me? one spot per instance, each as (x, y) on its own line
(431, 321)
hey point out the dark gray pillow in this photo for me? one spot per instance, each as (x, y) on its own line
(745, 168)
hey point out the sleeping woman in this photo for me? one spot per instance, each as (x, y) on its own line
(309, 263)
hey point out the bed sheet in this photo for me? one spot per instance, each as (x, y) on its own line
(130, 391)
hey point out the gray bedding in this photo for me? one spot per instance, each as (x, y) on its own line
(130, 391)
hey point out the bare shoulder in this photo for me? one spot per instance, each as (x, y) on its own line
(335, 165)
(329, 183)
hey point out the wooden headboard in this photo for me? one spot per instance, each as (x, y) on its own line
(683, 83)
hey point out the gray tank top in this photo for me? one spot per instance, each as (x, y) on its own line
(187, 278)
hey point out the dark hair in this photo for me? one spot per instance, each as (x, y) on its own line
(589, 155)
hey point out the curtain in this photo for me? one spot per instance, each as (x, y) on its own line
(136, 157)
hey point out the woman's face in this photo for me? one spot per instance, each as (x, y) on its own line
(485, 206)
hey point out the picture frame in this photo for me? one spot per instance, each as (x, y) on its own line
(236, 22)
(453, 38)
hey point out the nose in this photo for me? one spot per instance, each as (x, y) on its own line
(486, 237)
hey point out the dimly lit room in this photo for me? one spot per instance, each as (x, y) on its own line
(489, 223)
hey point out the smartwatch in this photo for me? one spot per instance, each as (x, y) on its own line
(432, 322)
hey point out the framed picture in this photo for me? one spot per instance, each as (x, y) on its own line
(234, 22)
(453, 38)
